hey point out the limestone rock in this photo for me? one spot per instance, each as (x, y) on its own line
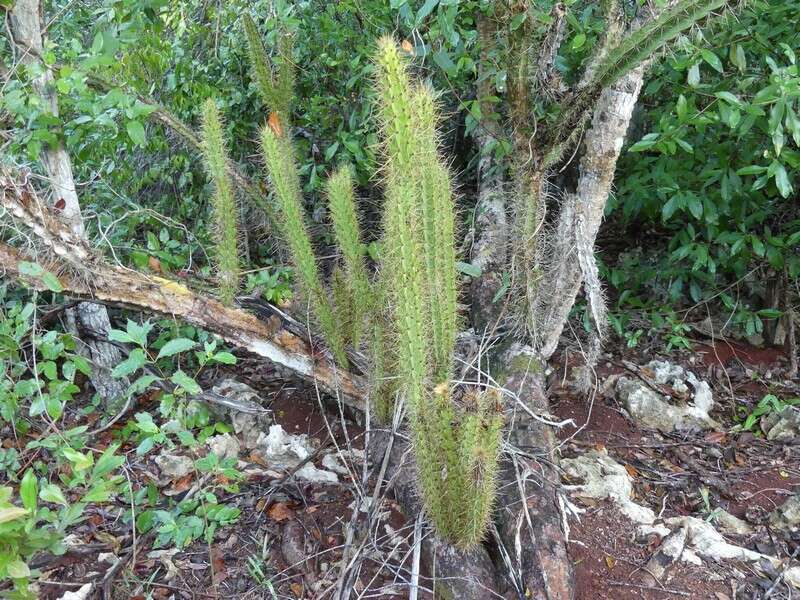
(650, 409)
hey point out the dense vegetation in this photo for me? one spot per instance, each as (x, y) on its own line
(703, 221)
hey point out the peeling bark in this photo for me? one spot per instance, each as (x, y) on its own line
(582, 210)
(83, 274)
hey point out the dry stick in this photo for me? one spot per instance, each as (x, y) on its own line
(649, 587)
(415, 560)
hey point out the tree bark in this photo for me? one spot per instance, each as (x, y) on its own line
(582, 210)
(86, 317)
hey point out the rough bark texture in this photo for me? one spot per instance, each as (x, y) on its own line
(528, 519)
(489, 249)
(86, 317)
(582, 210)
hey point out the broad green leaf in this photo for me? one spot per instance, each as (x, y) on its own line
(175, 346)
(183, 380)
(136, 359)
(28, 489)
(468, 269)
(17, 569)
(136, 132)
(12, 513)
(712, 59)
(52, 493)
(426, 10)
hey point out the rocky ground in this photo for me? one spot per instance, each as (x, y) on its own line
(666, 495)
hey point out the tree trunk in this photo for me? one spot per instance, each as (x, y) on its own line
(86, 318)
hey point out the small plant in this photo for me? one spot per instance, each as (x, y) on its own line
(769, 404)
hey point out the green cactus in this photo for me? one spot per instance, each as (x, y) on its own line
(438, 216)
(224, 203)
(356, 284)
(279, 158)
(275, 79)
(456, 447)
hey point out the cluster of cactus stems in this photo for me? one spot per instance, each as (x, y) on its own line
(224, 203)
(406, 315)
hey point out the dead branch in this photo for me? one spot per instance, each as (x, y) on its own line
(84, 274)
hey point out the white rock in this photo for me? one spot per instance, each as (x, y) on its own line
(285, 451)
(604, 478)
(787, 515)
(80, 594)
(174, 466)
(652, 410)
(224, 445)
(311, 473)
(730, 524)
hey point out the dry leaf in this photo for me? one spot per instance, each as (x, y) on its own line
(280, 512)
(297, 588)
(407, 47)
(154, 264)
(610, 562)
(218, 566)
(631, 471)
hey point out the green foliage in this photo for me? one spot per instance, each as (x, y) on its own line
(713, 175)
(769, 404)
(226, 210)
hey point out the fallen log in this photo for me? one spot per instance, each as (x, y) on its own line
(84, 274)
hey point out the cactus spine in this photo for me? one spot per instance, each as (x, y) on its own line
(342, 203)
(224, 203)
(275, 81)
(456, 447)
(279, 158)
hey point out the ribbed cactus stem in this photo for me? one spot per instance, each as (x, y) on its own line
(275, 82)
(438, 212)
(404, 264)
(280, 162)
(342, 204)
(223, 202)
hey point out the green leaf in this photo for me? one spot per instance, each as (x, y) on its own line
(712, 59)
(782, 181)
(108, 461)
(693, 76)
(136, 359)
(426, 10)
(115, 335)
(175, 346)
(225, 358)
(28, 489)
(578, 41)
(468, 269)
(770, 313)
(52, 493)
(12, 513)
(79, 460)
(183, 380)
(728, 97)
(751, 170)
(136, 132)
(17, 569)
(695, 206)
